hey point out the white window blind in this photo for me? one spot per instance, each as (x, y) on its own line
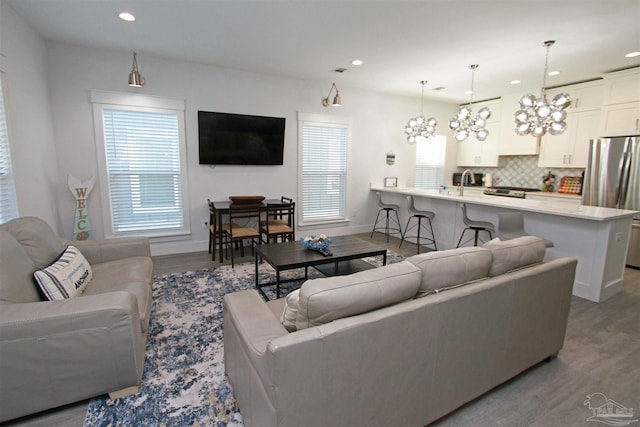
(324, 170)
(430, 157)
(143, 167)
(8, 202)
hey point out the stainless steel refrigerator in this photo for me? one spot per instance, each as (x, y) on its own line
(612, 179)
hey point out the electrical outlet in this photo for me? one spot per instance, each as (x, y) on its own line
(618, 236)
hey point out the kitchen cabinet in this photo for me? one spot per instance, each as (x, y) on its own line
(621, 111)
(571, 148)
(472, 152)
(567, 200)
(620, 119)
(510, 143)
(585, 96)
(622, 86)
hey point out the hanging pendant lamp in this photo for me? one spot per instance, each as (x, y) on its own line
(537, 116)
(419, 127)
(464, 123)
(135, 78)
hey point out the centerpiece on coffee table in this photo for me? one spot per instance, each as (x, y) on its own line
(317, 243)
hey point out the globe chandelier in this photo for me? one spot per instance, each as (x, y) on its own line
(419, 128)
(537, 116)
(464, 123)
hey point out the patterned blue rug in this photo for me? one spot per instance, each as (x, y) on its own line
(183, 383)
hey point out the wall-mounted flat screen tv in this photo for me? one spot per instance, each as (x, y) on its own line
(239, 139)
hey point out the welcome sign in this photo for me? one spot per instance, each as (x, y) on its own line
(81, 190)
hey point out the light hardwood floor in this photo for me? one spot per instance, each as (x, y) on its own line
(601, 354)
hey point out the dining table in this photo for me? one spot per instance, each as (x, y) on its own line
(221, 208)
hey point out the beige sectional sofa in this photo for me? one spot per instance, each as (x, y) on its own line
(57, 352)
(403, 344)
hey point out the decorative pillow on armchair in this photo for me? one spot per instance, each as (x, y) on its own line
(66, 277)
(288, 318)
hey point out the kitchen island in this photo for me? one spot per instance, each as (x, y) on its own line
(598, 237)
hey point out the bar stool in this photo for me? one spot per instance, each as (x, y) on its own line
(476, 226)
(511, 225)
(419, 215)
(388, 228)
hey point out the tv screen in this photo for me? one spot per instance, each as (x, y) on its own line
(239, 139)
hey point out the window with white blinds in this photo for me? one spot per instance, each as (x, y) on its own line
(324, 170)
(430, 157)
(143, 167)
(8, 202)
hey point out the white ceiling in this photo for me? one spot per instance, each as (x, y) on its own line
(401, 42)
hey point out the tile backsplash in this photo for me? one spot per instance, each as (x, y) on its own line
(523, 171)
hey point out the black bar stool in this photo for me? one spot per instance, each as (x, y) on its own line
(476, 226)
(419, 215)
(388, 228)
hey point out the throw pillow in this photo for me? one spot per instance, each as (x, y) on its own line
(66, 277)
(288, 318)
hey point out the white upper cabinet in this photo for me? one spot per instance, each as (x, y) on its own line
(512, 144)
(621, 111)
(622, 86)
(571, 148)
(585, 96)
(620, 119)
(472, 152)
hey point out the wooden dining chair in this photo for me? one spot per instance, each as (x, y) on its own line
(244, 219)
(279, 221)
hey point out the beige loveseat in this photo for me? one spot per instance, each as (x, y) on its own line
(57, 352)
(400, 345)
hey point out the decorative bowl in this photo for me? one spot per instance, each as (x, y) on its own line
(316, 243)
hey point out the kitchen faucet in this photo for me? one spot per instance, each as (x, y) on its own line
(464, 174)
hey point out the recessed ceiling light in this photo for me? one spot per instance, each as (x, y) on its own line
(357, 62)
(553, 73)
(468, 92)
(632, 54)
(515, 82)
(126, 16)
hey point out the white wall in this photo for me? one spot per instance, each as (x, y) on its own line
(378, 123)
(29, 118)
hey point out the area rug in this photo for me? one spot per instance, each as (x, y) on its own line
(183, 383)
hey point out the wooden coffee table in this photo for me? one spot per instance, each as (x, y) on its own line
(345, 259)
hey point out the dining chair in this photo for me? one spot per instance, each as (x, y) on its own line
(244, 220)
(215, 230)
(279, 221)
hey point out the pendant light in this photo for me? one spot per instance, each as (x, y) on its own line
(538, 116)
(463, 124)
(419, 127)
(135, 78)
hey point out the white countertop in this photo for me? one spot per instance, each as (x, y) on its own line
(552, 206)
